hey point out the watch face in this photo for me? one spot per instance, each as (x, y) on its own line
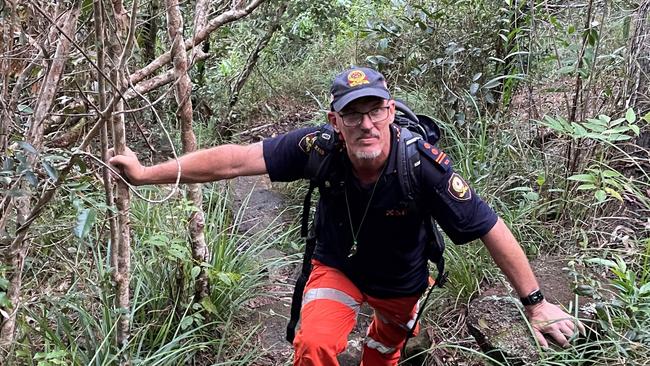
(533, 298)
(536, 297)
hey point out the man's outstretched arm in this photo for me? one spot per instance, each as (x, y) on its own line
(546, 318)
(216, 163)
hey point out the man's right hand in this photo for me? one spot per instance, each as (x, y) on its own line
(129, 166)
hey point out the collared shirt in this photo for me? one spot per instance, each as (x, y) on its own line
(389, 260)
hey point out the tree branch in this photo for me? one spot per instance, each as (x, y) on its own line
(254, 56)
(200, 36)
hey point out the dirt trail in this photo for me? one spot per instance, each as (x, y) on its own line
(270, 310)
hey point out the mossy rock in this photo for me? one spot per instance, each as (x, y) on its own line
(497, 323)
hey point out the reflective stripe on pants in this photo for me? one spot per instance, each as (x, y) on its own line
(331, 303)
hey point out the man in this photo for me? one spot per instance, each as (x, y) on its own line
(370, 247)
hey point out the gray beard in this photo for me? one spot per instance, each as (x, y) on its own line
(367, 155)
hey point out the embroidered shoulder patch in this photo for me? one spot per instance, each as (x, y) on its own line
(306, 143)
(435, 155)
(458, 188)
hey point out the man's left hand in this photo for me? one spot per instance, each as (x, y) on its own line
(547, 318)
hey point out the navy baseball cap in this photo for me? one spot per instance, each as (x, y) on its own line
(356, 83)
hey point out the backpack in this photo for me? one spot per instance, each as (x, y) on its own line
(415, 129)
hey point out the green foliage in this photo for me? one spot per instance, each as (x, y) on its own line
(468, 266)
(602, 129)
(85, 221)
(628, 313)
(51, 358)
(17, 169)
(603, 182)
(459, 61)
(580, 57)
(171, 248)
(167, 326)
(453, 48)
(4, 286)
(602, 134)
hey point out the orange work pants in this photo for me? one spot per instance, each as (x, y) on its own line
(330, 306)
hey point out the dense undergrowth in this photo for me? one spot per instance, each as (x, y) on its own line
(70, 321)
(498, 77)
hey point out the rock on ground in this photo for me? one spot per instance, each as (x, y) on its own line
(496, 324)
(497, 321)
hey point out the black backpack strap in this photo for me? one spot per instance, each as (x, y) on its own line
(320, 152)
(317, 170)
(306, 208)
(296, 298)
(409, 335)
(310, 245)
(435, 254)
(408, 160)
(408, 170)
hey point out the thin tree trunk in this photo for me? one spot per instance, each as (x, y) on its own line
(34, 136)
(201, 11)
(15, 262)
(122, 196)
(577, 97)
(121, 17)
(8, 43)
(123, 245)
(98, 10)
(254, 56)
(151, 32)
(196, 223)
(50, 85)
(573, 148)
(638, 68)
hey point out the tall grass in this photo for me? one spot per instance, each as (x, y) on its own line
(77, 326)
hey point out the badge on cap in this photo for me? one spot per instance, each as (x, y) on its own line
(356, 78)
(458, 188)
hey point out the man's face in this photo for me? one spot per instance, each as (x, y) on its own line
(364, 126)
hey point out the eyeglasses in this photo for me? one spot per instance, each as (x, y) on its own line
(353, 119)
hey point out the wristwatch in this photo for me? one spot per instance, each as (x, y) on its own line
(533, 298)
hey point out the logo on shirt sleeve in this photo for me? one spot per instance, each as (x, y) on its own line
(458, 188)
(306, 143)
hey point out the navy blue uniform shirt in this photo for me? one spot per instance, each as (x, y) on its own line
(389, 260)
